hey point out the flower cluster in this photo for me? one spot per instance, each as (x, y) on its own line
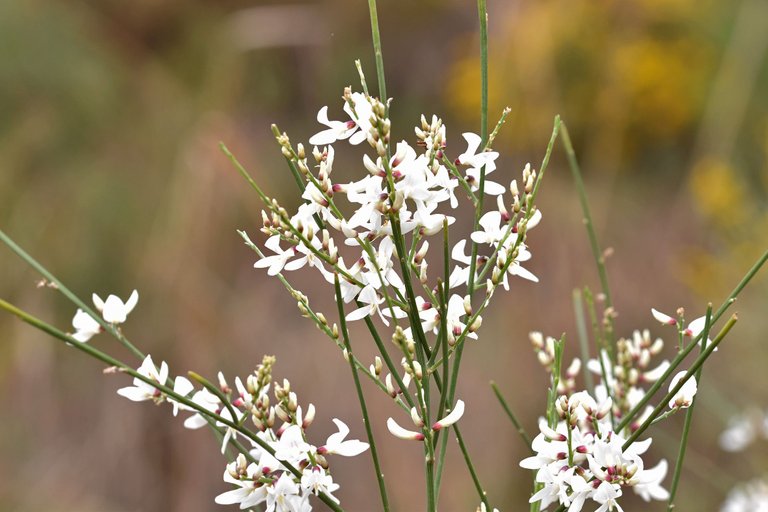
(113, 310)
(277, 467)
(582, 453)
(582, 458)
(392, 210)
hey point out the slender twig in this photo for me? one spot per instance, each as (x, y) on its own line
(688, 418)
(471, 467)
(518, 426)
(361, 397)
(376, 36)
(581, 331)
(110, 328)
(596, 252)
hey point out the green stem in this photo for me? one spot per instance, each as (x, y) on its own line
(471, 467)
(581, 331)
(688, 418)
(377, 51)
(596, 252)
(361, 397)
(482, 12)
(518, 426)
(111, 329)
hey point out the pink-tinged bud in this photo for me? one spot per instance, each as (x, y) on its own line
(467, 303)
(454, 416)
(309, 417)
(390, 387)
(662, 318)
(223, 384)
(401, 433)
(551, 434)
(400, 154)
(502, 209)
(421, 254)
(416, 418)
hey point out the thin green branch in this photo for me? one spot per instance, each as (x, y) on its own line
(471, 467)
(688, 419)
(361, 397)
(376, 36)
(581, 331)
(518, 426)
(596, 252)
(110, 328)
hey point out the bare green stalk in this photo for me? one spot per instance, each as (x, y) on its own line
(376, 36)
(581, 331)
(110, 328)
(361, 398)
(596, 252)
(518, 426)
(688, 418)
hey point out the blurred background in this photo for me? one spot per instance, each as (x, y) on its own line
(110, 174)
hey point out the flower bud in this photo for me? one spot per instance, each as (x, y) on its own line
(309, 417)
(417, 371)
(416, 418)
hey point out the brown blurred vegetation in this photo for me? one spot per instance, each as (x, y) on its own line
(110, 174)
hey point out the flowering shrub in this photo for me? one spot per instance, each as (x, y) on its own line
(388, 250)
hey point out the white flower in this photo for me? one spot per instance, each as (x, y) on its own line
(476, 161)
(493, 230)
(454, 416)
(648, 484)
(401, 433)
(181, 386)
(606, 495)
(693, 328)
(315, 479)
(663, 318)
(374, 303)
(360, 119)
(277, 261)
(206, 400)
(250, 492)
(283, 496)
(140, 390)
(684, 397)
(113, 309)
(337, 445)
(86, 327)
(291, 447)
